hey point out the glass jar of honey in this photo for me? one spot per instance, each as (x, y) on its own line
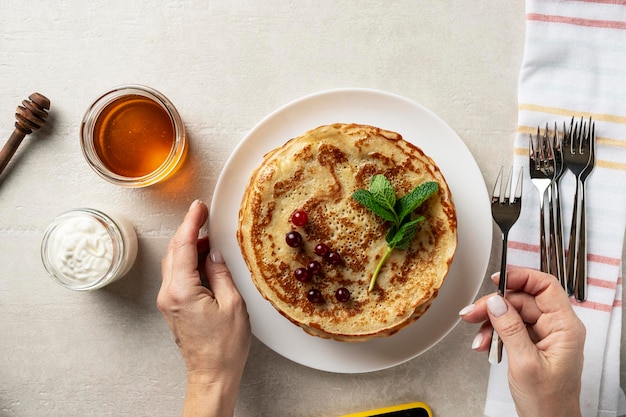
(133, 136)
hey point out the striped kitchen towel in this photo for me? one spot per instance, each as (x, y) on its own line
(575, 65)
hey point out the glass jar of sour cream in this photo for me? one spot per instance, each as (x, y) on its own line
(86, 249)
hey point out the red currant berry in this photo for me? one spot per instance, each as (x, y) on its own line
(321, 249)
(293, 239)
(314, 296)
(342, 295)
(333, 258)
(299, 218)
(314, 267)
(302, 274)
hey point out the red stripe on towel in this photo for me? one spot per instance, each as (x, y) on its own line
(601, 259)
(592, 305)
(601, 283)
(523, 246)
(604, 259)
(605, 24)
(616, 2)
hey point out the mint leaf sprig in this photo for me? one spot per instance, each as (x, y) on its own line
(381, 199)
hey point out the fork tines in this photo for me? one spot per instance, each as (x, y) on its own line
(505, 198)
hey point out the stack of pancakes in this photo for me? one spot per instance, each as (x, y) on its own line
(317, 173)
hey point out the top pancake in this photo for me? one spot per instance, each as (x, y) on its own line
(318, 172)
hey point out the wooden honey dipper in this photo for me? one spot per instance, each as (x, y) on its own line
(30, 116)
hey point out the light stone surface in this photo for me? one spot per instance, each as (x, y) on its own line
(225, 65)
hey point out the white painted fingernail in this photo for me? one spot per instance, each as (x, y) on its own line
(494, 276)
(216, 256)
(496, 305)
(467, 309)
(478, 340)
(194, 204)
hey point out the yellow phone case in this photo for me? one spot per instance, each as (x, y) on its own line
(381, 411)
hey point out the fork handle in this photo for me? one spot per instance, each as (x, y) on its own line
(573, 248)
(550, 243)
(543, 247)
(580, 290)
(557, 250)
(495, 350)
(502, 281)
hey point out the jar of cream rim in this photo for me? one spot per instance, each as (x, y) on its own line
(133, 136)
(86, 249)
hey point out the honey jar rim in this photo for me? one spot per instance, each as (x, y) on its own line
(94, 111)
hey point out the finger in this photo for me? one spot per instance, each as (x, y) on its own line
(203, 252)
(189, 229)
(482, 340)
(203, 245)
(524, 303)
(219, 278)
(530, 291)
(558, 316)
(182, 251)
(548, 293)
(510, 327)
(474, 313)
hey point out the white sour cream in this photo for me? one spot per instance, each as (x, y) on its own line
(85, 249)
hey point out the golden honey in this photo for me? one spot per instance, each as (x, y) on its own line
(133, 136)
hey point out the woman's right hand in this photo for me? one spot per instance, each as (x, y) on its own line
(543, 338)
(208, 320)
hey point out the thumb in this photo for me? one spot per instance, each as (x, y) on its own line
(510, 327)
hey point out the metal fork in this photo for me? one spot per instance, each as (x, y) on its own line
(505, 213)
(557, 249)
(541, 168)
(579, 156)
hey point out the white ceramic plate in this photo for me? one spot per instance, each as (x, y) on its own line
(417, 125)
